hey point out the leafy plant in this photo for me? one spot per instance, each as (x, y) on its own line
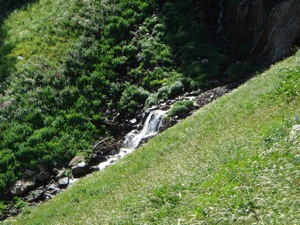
(181, 108)
(132, 98)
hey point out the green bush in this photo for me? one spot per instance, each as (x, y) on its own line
(152, 100)
(181, 108)
(132, 98)
(163, 93)
(176, 89)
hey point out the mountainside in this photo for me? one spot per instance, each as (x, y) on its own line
(235, 161)
(73, 73)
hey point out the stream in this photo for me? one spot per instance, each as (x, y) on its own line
(150, 128)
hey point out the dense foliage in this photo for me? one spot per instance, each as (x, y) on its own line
(66, 67)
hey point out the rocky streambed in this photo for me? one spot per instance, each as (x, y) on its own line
(44, 184)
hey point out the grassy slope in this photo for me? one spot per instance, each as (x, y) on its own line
(228, 163)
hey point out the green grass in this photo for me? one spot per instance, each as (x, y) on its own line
(229, 163)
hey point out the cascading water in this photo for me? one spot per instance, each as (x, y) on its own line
(133, 138)
(220, 32)
(151, 127)
(220, 28)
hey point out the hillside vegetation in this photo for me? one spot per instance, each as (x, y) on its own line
(73, 72)
(67, 68)
(232, 162)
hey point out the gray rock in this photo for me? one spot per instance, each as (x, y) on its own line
(52, 189)
(63, 182)
(270, 28)
(76, 160)
(35, 196)
(20, 187)
(80, 169)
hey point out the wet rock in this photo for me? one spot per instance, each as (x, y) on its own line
(81, 169)
(133, 121)
(52, 189)
(63, 182)
(76, 160)
(164, 106)
(20, 187)
(97, 157)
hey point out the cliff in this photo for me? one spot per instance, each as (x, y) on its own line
(263, 30)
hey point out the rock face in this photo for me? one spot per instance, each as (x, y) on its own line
(266, 30)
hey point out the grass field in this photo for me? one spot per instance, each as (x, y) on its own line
(229, 163)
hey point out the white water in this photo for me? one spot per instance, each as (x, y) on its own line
(133, 138)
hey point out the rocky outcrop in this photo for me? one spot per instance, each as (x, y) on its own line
(265, 30)
(281, 33)
(20, 187)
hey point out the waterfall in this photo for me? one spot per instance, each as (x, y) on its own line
(220, 28)
(134, 137)
(150, 128)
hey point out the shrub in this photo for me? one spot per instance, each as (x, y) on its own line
(132, 97)
(170, 91)
(181, 109)
(176, 89)
(152, 100)
(163, 93)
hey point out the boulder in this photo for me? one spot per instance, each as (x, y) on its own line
(63, 182)
(35, 196)
(76, 160)
(81, 169)
(20, 187)
(97, 157)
